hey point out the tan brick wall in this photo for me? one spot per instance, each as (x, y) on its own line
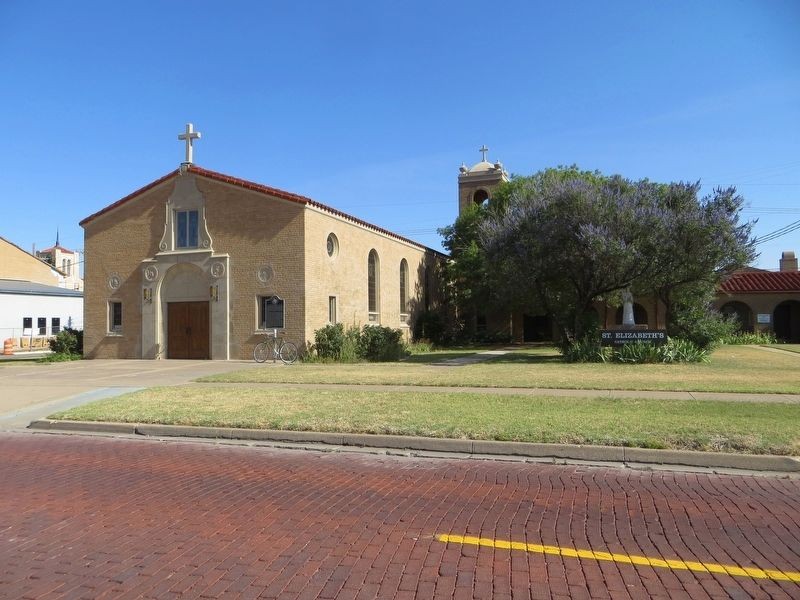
(256, 231)
(117, 242)
(15, 263)
(345, 275)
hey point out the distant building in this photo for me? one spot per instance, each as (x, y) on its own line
(34, 300)
(765, 300)
(66, 261)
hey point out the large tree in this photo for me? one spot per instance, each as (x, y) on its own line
(564, 238)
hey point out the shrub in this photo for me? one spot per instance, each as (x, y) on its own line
(587, 349)
(702, 325)
(350, 345)
(420, 347)
(638, 353)
(374, 343)
(381, 344)
(678, 350)
(78, 333)
(745, 337)
(329, 341)
(65, 342)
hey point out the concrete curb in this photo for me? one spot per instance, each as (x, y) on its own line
(641, 456)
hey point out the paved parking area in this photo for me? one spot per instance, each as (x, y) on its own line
(91, 517)
(31, 391)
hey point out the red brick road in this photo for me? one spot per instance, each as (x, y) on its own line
(90, 517)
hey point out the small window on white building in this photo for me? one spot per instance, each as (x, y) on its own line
(115, 316)
(41, 324)
(55, 325)
(27, 323)
(271, 312)
(186, 224)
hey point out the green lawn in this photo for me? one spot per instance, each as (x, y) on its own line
(697, 425)
(731, 369)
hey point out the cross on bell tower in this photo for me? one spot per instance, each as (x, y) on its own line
(476, 183)
(189, 135)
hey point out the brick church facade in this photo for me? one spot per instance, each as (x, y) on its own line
(198, 264)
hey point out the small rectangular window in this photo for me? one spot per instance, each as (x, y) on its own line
(41, 324)
(271, 312)
(332, 309)
(115, 316)
(27, 322)
(186, 223)
(55, 325)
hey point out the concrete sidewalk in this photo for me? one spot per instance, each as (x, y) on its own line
(30, 391)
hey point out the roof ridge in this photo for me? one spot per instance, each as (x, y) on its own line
(257, 187)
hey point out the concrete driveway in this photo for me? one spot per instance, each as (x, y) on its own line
(32, 391)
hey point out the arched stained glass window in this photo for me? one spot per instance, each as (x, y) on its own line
(373, 285)
(403, 286)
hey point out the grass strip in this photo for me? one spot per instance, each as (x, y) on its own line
(676, 424)
(732, 369)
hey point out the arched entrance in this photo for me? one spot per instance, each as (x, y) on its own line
(786, 319)
(741, 311)
(185, 309)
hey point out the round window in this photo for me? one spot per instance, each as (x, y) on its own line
(333, 245)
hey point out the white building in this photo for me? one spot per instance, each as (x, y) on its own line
(32, 312)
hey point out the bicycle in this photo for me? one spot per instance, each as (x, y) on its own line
(275, 347)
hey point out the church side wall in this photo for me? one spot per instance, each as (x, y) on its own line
(115, 244)
(263, 236)
(345, 275)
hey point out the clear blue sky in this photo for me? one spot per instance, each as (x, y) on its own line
(371, 106)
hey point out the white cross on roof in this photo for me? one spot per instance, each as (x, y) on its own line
(189, 135)
(483, 150)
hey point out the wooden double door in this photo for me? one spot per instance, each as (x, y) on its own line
(187, 330)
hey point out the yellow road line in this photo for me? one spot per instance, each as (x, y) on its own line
(701, 567)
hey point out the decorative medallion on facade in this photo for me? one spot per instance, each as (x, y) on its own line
(114, 281)
(217, 270)
(265, 274)
(151, 273)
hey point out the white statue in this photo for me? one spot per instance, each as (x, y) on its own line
(628, 320)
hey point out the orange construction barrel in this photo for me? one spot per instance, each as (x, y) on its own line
(8, 347)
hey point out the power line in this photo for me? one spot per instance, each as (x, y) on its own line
(778, 232)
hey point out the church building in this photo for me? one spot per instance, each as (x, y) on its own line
(202, 265)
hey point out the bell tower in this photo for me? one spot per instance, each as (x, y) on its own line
(476, 183)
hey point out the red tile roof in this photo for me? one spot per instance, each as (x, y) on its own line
(51, 248)
(257, 187)
(744, 282)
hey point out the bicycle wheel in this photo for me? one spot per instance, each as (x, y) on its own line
(288, 353)
(262, 352)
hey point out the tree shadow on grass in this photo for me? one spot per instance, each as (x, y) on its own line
(436, 357)
(523, 358)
